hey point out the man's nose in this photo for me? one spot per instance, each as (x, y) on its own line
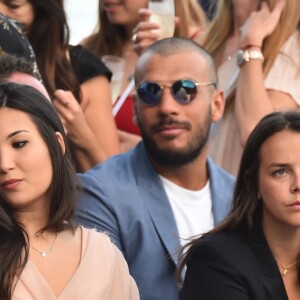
(168, 105)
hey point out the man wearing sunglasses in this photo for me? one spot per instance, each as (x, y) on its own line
(152, 199)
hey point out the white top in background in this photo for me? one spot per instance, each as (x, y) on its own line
(82, 18)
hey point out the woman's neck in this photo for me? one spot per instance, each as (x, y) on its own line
(129, 28)
(284, 242)
(33, 221)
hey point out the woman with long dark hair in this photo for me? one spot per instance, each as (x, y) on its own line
(43, 255)
(255, 252)
(70, 73)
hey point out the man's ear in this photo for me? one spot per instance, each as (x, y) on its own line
(217, 105)
(61, 142)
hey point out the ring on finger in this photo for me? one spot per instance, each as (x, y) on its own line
(134, 38)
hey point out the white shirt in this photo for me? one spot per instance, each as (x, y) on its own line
(192, 209)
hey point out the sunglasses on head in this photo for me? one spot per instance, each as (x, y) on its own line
(183, 91)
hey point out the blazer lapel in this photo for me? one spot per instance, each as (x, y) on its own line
(156, 201)
(221, 194)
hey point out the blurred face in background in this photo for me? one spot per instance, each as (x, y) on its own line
(20, 10)
(123, 12)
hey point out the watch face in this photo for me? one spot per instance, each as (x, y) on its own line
(247, 55)
(240, 57)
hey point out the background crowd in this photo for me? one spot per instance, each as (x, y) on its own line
(195, 178)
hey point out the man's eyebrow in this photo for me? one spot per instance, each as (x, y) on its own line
(16, 132)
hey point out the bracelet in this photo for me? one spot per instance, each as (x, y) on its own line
(248, 46)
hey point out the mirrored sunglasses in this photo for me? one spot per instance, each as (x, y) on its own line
(183, 91)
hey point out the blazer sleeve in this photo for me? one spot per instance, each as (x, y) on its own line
(94, 209)
(212, 275)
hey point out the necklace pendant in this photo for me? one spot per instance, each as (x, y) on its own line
(44, 254)
(284, 271)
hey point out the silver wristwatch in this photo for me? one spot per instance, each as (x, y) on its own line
(247, 55)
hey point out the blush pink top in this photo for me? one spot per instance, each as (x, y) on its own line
(101, 275)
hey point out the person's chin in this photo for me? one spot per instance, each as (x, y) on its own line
(172, 147)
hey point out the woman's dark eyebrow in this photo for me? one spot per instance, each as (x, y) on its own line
(280, 165)
(15, 133)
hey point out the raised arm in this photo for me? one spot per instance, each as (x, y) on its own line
(253, 100)
(91, 126)
(98, 112)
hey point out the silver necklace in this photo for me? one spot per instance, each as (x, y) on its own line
(45, 253)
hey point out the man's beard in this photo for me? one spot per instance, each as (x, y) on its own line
(177, 157)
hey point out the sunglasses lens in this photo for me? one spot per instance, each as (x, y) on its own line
(184, 90)
(149, 92)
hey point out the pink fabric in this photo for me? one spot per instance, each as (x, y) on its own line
(102, 274)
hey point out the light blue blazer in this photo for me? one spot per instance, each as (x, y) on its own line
(125, 198)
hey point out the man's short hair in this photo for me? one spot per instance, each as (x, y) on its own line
(10, 64)
(17, 69)
(175, 45)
